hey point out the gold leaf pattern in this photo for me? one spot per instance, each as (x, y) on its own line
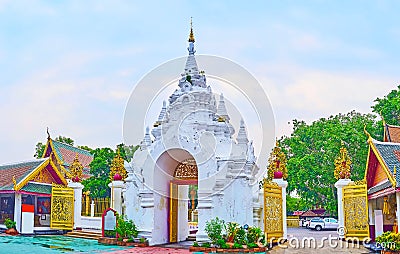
(187, 169)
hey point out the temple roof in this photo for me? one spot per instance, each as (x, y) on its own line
(20, 170)
(37, 188)
(390, 153)
(30, 176)
(67, 153)
(391, 133)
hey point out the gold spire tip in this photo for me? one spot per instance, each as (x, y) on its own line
(191, 35)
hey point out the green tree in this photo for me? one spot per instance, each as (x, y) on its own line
(312, 148)
(296, 204)
(97, 184)
(65, 140)
(86, 148)
(39, 150)
(127, 151)
(389, 107)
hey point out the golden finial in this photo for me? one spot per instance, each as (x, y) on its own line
(76, 169)
(366, 132)
(191, 35)
(394, 172)
(14, 182)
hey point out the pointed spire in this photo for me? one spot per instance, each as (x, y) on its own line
(242, 134)
(191, 40)
(147, 138)
(76, 169)
(191, 35)
(162, 113)
(221, 111)
(146, 142)
(48, 133)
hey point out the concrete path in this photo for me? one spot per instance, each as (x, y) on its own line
(302, 241)
(152, 250)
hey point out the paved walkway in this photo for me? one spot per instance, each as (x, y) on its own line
(302, 241)
(152, 250)
(299, 242)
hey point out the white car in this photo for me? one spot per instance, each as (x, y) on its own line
(326, 223)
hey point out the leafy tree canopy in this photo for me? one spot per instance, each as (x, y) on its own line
(97, 184)
(389, 107)
(312, 148)
(296, 204)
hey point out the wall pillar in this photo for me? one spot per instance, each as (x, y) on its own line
(92, 209)
(283, 184)
(116, 195)
(398, 209)
(17, 210)
(77, 187)
(204, 208)
(340, 184)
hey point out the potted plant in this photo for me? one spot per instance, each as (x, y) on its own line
(231, 229)
(125, 230)
(390, 242)
(10, 225)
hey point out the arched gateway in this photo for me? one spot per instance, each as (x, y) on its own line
(192, 144)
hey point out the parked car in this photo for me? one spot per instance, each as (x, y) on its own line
(326, 223)
(306, 222)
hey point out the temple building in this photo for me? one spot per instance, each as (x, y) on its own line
(28, 185)
(383, 181)
(191, 143)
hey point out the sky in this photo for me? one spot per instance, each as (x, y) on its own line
(72, 65)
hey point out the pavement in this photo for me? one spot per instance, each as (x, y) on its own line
(300, 241)
(303, 240)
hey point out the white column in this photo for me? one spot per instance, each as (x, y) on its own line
(92, 209)
(116, 195)
(77, 203)
(17, 211)
(339, 186)
(204, 208)
(371, 213)
(398, 209)
(283, 184)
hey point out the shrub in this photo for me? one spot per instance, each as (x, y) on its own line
(126, 228)
(215, 229)
(240, 236)
(231, 229)
(252, 245)
(237, 246)
(254, 234)
(221, 243)
(389, 240)
(196, 244)
(206, 245)
(109, 233)
(9, 223)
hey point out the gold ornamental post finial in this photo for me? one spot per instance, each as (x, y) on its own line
(14, 182)
(366, 132)
(191, 35)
